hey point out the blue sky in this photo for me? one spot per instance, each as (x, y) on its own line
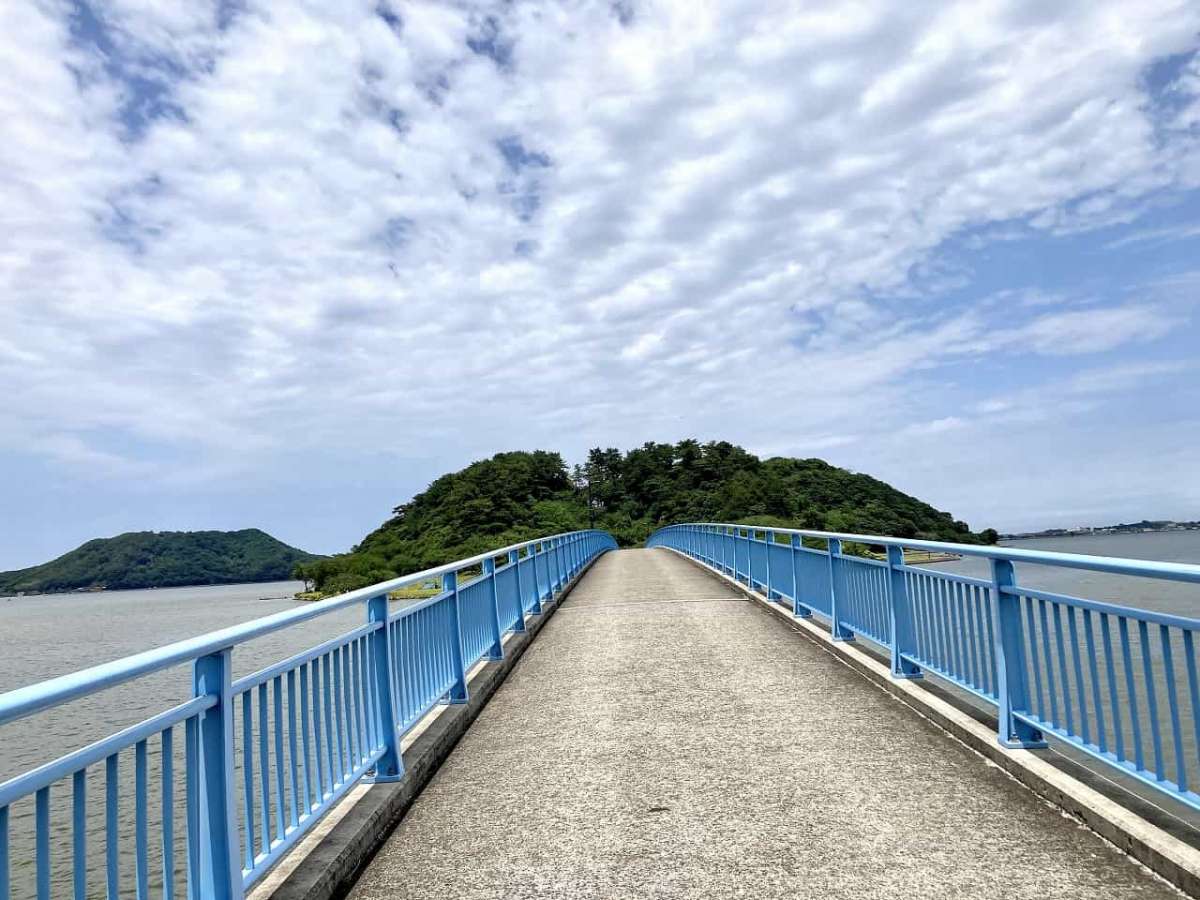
(280, 264)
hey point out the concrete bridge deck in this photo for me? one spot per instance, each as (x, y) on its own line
(664, 738)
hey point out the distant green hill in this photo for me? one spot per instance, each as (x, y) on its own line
(146, 559)
(516, 496)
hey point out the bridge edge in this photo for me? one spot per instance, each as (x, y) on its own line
(330, 863)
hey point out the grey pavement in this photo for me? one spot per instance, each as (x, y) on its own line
(663, 739)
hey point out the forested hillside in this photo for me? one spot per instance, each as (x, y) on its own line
(516, 496)
(146, 559)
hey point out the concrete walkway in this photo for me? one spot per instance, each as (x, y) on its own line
(663, 739)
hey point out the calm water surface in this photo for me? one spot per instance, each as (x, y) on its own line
(1147, 593)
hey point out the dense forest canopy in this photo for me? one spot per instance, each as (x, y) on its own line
(147, 559)
(516, 496)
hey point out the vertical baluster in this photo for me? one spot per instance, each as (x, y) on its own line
(900, 617)
(1193, 686)
(359, 698)
(331, 750)
(1080, 687)
(248, 776)
(4, 855)
(912, 584)
(1151, 699)
(1094, 674)
(770, 536)
(1035, 662)
(1110, 670)
(514, 560)
(277, 709)
(838, 631)
(293, 747)
(409, 658)
(950, 593)
(1164, 635)
(496, 650)
(967, 604)
(366, 690)
(220, 878)
(347, 668)
(988, 620)
(1009, 650)
(982, 648)
(1068, 713)
(536, 609)
(882, 611)
(338, 764)
(112, 846)
(458, 693)
(1049, 658)
(167, 797)
(191, 787)
(423, 650)
(42, 850)
(954, 597)
(305, 740)
(317, 725)
(79, 833)
(264, 770)
(1131, 692)
(938, 589)
(140, 842)
(798, 609)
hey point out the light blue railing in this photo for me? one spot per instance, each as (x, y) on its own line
(302, 731)
(1118, 683)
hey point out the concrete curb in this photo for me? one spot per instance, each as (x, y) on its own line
(1174, 860)
(327, 862)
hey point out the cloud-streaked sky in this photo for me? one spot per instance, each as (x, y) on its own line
(278, 264)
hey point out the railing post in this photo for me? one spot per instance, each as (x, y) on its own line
(901, 616)
(496, 651)
(390, 766)
(736, 574)
(770, 536)
(514, 557)
(1009, 649)
(458, 691)
(836, 629)
(725, 543)
(798, 610)
(537, 585)
(220, 872)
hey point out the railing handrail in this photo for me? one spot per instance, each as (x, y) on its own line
(33, 698)
(1186, 572)
(1094, 675)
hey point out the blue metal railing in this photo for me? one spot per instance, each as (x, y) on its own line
(1118, 683)
(302, 731)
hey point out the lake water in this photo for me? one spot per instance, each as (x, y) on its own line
(1147, 593)
(49, 635)
(45, 636)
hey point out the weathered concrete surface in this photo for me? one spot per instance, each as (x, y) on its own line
(652, 745)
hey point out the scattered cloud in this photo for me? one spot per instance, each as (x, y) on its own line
(239, 231)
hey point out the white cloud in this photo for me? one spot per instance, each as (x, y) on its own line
(330, 248)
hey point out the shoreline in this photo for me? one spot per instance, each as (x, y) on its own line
(81, 592)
